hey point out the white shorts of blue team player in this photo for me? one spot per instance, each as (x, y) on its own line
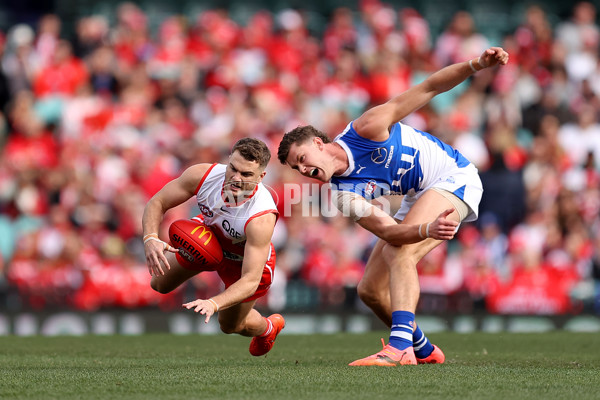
(461, 186)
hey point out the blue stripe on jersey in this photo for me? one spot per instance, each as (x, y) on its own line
(413, 176)
(460, 192)
(461, 161)
(393, 166)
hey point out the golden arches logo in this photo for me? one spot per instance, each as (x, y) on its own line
(205, 231)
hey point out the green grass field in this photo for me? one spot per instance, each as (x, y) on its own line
(555, 365)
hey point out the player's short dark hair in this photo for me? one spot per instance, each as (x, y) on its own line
(298, 136)
(253, 150)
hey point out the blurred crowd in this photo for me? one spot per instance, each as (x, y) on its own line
(92, 126)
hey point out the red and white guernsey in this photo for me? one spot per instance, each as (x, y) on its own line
(228, 221)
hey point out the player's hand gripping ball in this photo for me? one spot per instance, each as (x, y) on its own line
(196, 242)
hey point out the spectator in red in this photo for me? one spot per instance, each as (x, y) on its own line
(63, 75)
(340, 33)
(30, 147)
(131, 40)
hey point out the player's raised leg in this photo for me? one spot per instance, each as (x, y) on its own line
(173, 277)
(425, 351)
(244, 320)
(404, 281)
(404, 284)
(374, 291)
(263, 343)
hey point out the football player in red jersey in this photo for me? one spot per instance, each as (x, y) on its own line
(242, 214)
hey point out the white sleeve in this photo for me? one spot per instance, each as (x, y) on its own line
(351, 204)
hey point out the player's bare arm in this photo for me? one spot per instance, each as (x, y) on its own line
(380, 223)
(259, 232)
(256, 251)
(171, 195)
(374, 123)
(385, 227)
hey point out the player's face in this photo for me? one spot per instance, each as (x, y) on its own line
(309, 159)
(241, 177)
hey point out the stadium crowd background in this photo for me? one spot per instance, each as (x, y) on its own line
(93, 124)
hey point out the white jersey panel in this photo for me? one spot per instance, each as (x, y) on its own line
(408, 163)
(229, 221)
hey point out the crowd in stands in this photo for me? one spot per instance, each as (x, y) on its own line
(92, 126)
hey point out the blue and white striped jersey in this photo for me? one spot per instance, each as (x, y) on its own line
(407, 163)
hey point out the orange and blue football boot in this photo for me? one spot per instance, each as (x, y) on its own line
(436, 357)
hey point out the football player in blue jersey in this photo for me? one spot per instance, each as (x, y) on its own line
(378, 155)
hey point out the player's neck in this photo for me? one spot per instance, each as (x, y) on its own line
(339, 158)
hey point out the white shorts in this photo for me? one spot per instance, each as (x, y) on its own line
(464, 183)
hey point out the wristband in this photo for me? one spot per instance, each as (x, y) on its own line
(166, 246)
(150, 236)
(420, 235)
(427, 230)
(214, 303)
(472, 67)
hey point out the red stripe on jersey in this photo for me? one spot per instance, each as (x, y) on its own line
(199, 218)
(260, 214)
(204, 178)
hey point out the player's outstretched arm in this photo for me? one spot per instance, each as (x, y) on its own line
(206, 307)
(171, 195)
(256, 251)
(375, 122)
(385, 227)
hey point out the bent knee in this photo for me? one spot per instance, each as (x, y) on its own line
(159, 286)
(369, 294)
(229, 328)
(404, 255)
